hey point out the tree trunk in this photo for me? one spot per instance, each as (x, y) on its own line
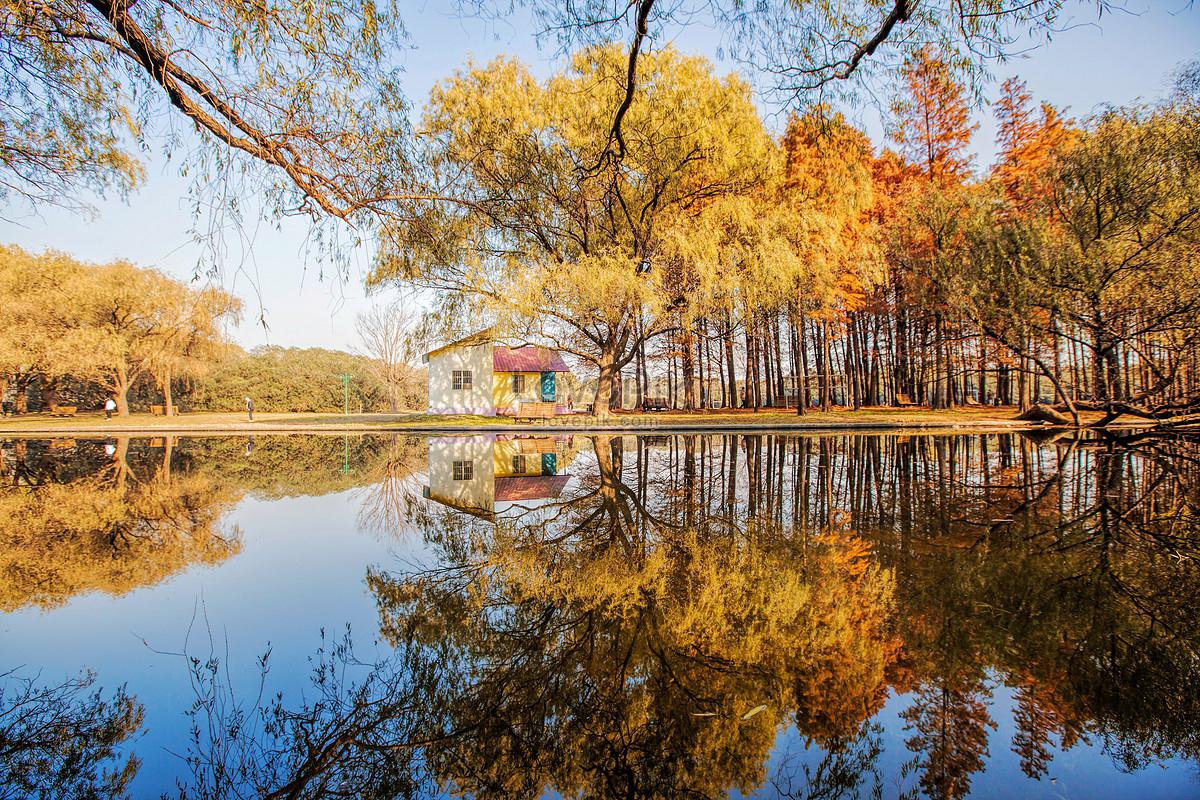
(643, 380)
(21, 397)
(728, 346)
(688, 369)
(780, 388)
(607, 372)
(169, 397)
(121, 390)
(825, 365)
(49, 392)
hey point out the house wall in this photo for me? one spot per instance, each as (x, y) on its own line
(506, 451)
(503, 397)
(477, 493)
(444, 399)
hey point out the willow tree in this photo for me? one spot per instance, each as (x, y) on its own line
(556, 235)
(189, 334)
(295, 103)
(109, 323)
(1126, 202)
(808, 48)
(33, 318)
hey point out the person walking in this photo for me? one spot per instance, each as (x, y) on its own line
(249, 410)
(110, 405)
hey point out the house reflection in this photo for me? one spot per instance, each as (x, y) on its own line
(484, 475)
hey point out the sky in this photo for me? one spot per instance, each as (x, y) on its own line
(1124, 55)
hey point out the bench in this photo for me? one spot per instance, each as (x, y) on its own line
(903, 400)
(62, 411)
(654, 404)
(536, 411)
(158, 411)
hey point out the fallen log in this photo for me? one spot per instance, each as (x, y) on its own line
(1040, 412)
(1166, 415)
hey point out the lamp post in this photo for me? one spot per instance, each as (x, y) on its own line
(345, 394)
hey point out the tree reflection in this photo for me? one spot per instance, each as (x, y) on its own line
(94, 520)
(682, 608)
(91, 515)
(63, 741)
(612, 643)
(1063, 569)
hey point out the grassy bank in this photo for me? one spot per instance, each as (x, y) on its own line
(866, 418)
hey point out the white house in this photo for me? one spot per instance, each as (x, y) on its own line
(482, 474)
(475, 375)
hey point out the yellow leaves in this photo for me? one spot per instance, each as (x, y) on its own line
(99, 534)
(743, 249)
(601, 286)
(85, 320)
(564, 234)
(815, 618)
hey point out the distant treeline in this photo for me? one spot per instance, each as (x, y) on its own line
(75, 334)
(293, 379)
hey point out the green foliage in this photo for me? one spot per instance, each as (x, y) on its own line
(289, 379)
(298, 100)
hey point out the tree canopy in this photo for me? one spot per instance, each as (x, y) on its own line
(107, 323)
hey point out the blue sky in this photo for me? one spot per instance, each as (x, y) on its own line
(1125, 55)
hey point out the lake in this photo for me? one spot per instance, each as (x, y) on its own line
(992, 616)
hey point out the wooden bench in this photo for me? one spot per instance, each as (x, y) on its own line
(536, 411)
(62, 411)
(904, 400)
(158, 411)
(654, 404)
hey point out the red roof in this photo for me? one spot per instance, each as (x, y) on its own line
(529, 358)
(534, 487)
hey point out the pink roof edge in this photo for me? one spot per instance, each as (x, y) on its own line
(531, 487)
(529, 358)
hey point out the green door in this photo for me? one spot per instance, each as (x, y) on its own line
(549, 394)
(549, 463)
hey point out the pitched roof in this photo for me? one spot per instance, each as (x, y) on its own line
(536, 487)
(479, 337)
(529, 358)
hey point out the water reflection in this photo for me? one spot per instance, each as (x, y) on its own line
(79, 516)
(679, 616)
(62, 740)
(474, 473)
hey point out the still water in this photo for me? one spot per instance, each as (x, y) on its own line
(600, 616)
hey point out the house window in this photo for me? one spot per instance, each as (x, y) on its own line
(518, 384)
(461, 379)
(518, 465)
(464, 470)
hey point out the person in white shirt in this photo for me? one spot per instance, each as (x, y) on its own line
(110, 405)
